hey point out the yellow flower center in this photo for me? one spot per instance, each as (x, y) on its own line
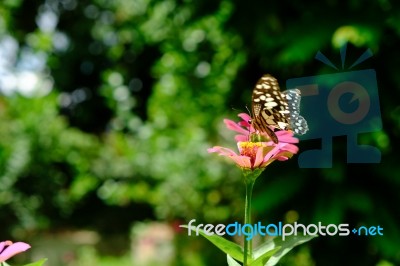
(249, 149)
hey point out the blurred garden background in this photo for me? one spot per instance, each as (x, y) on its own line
(107, 109)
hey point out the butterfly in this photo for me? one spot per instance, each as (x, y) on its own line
(273, 109)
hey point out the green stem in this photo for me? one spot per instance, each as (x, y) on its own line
(248, 244)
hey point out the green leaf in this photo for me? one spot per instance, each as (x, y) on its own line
(285, 246)
(37, 263)
(231, 261)
(231, 248)
(261, 260)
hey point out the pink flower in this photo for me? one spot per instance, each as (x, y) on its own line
(246, 130)
(9, 249)
(256, 154)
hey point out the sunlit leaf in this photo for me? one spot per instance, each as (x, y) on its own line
(231, 261)
(37, 263)
(262, 259)
(228, 247)
(285, 246)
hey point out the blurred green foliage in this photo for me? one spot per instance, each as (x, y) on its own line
(124, 97)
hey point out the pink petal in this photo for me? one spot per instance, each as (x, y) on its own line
(245, 117)
(235, 127)
(241, 138)
(12, 250)
(243, 124)
(286, 136)
(222, 151)
(242, 161)
(272, 152)
(282, 158)
(3, 244)
(261, 152)
(290, 148)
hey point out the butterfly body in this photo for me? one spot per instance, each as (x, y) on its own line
(275, 110)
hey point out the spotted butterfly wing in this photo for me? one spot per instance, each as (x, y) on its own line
(297, 123)
(273, 109)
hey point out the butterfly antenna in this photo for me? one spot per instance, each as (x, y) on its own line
(248, 110)
(251, 115)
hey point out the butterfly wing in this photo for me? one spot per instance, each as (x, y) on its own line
(270, 108)
(297, 123)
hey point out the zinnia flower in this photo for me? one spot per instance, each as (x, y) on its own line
(256, 155)
(255, 152)
(246, 130)
(9, 249)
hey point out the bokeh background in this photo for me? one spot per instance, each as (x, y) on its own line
(107, 109)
